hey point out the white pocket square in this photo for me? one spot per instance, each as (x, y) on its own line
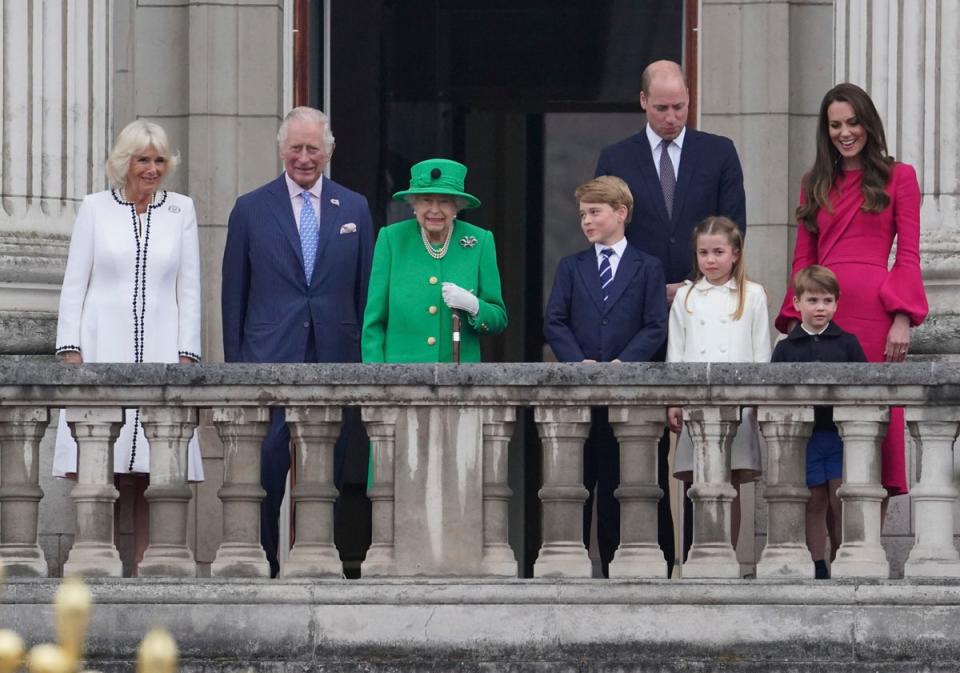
(348, 228)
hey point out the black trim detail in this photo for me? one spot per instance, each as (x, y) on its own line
(67, 349)
(188, 354)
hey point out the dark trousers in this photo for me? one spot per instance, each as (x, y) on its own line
(601, 476)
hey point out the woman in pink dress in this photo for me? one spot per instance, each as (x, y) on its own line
(853, 203)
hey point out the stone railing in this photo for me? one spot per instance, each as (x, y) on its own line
(440, 435)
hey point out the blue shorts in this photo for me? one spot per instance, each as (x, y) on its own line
(824, 458)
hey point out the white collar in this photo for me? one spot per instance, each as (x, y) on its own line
(826, 327)
(618, 247)
(655, 140)
(704, 285)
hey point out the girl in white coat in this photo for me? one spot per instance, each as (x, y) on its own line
(720, 316)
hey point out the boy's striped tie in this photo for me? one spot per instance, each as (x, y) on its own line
(606, 271)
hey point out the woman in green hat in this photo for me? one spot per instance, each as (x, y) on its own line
(427, 267)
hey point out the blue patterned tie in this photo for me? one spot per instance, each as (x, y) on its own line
(606, 271)
(309, 235)
(668, 181)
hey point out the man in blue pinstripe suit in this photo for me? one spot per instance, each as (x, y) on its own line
(295, 272)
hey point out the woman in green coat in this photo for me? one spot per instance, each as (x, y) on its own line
(427, 267)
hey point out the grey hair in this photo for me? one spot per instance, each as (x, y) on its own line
(459, 200)
(307, 114)
(138, 136)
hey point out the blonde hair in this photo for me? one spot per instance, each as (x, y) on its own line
(607, 189)
(138, 136)
(724, 226)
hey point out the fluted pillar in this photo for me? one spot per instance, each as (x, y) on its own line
(787, 430)
(498, 557)
(563, 430)
(907, 56)
(241, 430)
(860, 554)
(94, 553)
(638, 431)
(712, 430)
(934, 554)
(55, 107)
(21, 429)
(169, 430)
(381, 425)
(314, 431)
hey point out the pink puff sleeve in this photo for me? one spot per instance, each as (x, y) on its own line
(902, 291)
(804, 254)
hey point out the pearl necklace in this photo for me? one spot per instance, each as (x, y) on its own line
(436, 254)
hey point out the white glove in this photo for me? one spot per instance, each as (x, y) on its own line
(455, 296)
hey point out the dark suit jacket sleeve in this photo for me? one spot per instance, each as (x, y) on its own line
(364, 258)
(647, 341)
(733, 200)
(854, 349)
(556, 324)
(778, 351)
(236, 283)
(603, 166)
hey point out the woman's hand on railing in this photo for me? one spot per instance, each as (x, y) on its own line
(184, 360)
(675, 419)
(72, 358)
(898, 339)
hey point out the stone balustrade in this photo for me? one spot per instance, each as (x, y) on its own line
(440, 437)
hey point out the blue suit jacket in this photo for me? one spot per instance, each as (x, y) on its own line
(268, 306)
(709, 182)
(631, 325)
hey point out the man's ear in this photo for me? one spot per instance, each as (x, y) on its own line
(643, 101)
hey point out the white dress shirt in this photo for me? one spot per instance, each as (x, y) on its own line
(297, 201)
(674, 148)
(618, 249)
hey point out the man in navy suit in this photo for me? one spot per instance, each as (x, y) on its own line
(678, 176)
(607, 305)
(295, 272)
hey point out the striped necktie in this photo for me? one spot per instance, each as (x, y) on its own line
(606, 271)
(309, 235)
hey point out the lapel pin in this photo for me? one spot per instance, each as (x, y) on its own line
(174, 209)
(468, 241)
(335, 202)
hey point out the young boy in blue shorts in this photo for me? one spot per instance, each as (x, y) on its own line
(608, 304)
(817, 339)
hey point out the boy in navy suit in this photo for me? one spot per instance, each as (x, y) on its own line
(608, 304)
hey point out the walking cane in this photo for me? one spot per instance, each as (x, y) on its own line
(456, 337)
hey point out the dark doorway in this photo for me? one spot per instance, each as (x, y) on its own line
(525, 93)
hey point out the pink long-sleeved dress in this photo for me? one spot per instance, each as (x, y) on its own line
(856, 246)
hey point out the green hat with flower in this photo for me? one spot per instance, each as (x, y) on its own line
(438, 176)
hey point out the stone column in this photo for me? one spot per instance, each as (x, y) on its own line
(563, 430)
(712, 430)
(498, 557)
(94, 553)
(381, 425)
(21, 429)
(314, 431)
(907, 56)
(638, 431)
(55, 106)
(934, 430)
(786, 430)
(169, 430)
(863, 430)
(241, 430)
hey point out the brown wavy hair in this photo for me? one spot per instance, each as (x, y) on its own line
(826, 168)
(717, 224)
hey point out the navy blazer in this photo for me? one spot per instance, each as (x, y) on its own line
(631, 325)
(709, 182)
(268, 306)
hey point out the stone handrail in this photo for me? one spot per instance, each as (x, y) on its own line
(416, 415)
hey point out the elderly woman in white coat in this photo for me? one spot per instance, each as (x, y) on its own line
(131, 291)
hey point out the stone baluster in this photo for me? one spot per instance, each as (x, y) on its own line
(787, 430)
(712, 430)
(498, 557)
(563, 430)
(21, 429)
(934, 554)
(169, 430)
(381, 425)
(241, 430)
(863, 430)
(93, 553)
(638, 431)
(314, 431)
